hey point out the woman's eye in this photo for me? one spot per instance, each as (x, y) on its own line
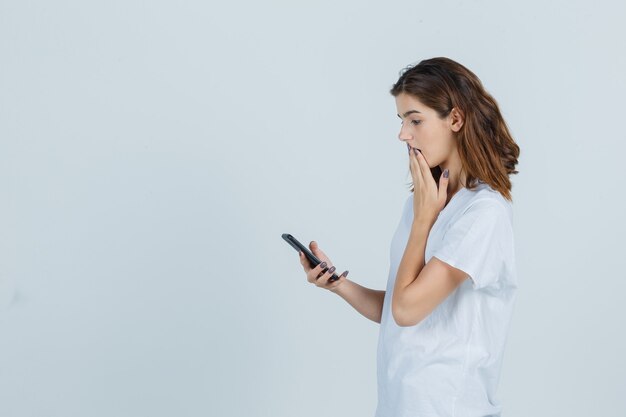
(416, 122)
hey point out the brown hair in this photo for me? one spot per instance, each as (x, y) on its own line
(488, 152)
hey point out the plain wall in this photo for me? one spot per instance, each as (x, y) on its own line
(152, 153)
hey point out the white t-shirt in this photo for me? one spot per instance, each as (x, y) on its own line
(448, 365)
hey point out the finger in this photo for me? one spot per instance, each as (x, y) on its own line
(443, 187)
(316, 272)
(328, 277)
(330, 282)
(304, 261)
(319, 280)
(317, 251)
(323, 279)
(319, 274)
(416, 172)
(423, 166)
(341, 279)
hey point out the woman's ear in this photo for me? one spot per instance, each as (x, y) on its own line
(456, 119)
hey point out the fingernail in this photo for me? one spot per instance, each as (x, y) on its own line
(445, 173)
(331, 270)
(344, 274)
(323, 265)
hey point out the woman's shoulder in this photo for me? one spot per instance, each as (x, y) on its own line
(482, 195)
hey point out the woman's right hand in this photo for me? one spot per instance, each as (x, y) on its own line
(322, 272)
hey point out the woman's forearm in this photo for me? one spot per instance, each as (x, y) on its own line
(366, 301)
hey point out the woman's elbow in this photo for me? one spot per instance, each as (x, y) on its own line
(402, 317)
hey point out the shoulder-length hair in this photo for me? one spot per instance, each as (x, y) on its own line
(487, 150)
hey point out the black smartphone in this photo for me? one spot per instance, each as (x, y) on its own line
(309, 255)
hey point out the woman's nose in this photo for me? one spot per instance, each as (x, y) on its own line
(403, 135)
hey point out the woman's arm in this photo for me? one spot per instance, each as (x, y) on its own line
(420, 288)
(366, 301)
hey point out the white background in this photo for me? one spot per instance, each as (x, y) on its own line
(152, 153)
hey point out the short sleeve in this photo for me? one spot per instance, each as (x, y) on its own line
(478, 242)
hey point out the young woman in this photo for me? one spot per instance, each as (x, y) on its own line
(451, 288)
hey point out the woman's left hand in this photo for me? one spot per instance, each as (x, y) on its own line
(428, 200)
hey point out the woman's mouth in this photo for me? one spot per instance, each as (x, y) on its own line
(409, 147)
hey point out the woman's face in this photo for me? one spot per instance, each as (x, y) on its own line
(424, 130)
